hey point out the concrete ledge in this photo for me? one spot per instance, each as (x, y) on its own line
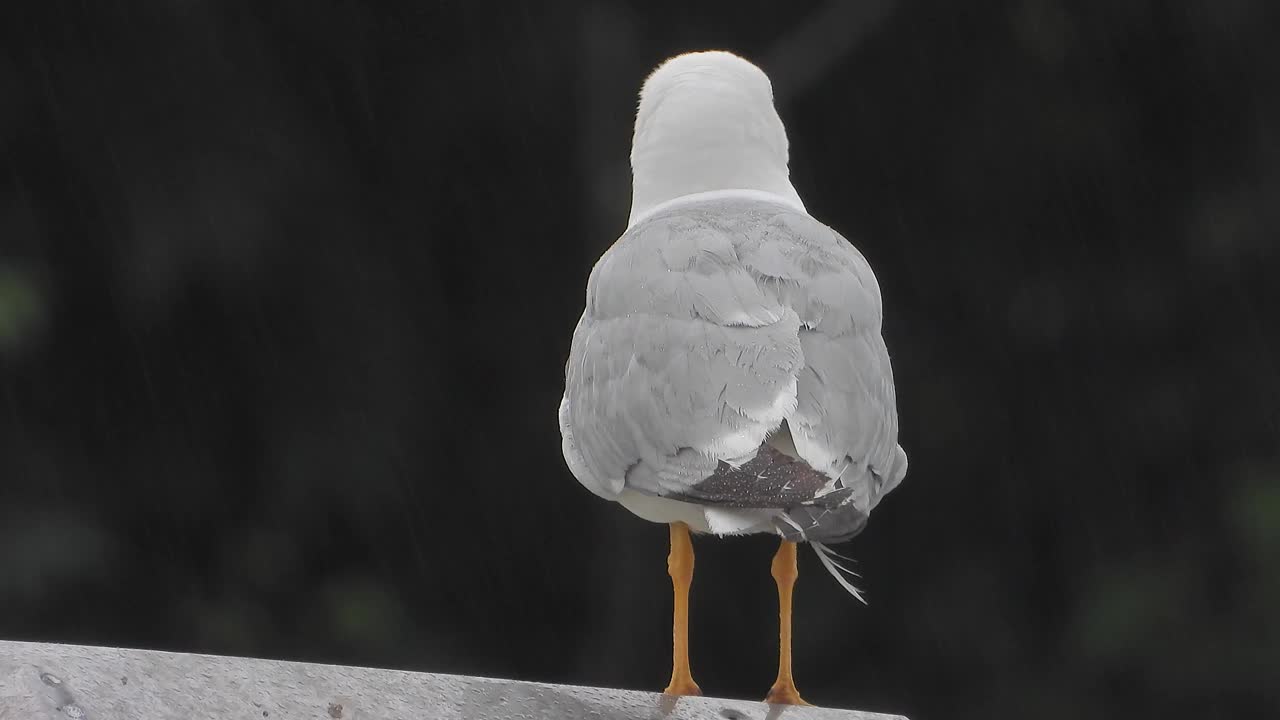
(40, 681)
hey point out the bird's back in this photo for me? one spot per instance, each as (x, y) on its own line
(730, 356)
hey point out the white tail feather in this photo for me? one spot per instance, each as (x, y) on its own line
(832, 553)
(835, 569)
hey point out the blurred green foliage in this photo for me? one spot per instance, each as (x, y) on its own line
(22, 307)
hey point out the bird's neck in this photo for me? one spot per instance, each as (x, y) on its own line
(660, 176)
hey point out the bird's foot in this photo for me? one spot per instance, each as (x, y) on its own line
(682, 686)
(784, 694)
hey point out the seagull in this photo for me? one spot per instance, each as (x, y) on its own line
(728, 375)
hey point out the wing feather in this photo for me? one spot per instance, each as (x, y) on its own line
(705, 328)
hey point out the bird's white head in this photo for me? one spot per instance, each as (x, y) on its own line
(706, 122)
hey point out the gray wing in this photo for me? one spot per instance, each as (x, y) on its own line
(707, 327)
(845, 423)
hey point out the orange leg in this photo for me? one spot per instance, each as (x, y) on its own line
(680, 567)
(785, 573)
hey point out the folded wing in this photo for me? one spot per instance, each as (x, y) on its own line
(730, 354)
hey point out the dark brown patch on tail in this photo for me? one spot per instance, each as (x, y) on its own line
(771, 479)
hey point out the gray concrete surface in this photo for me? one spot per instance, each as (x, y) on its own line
(41, 681)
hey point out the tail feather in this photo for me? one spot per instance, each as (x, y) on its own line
(837, 571)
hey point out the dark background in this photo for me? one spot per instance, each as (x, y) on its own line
(286, 289)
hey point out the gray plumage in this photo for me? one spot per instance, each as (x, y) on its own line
(730, 358)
